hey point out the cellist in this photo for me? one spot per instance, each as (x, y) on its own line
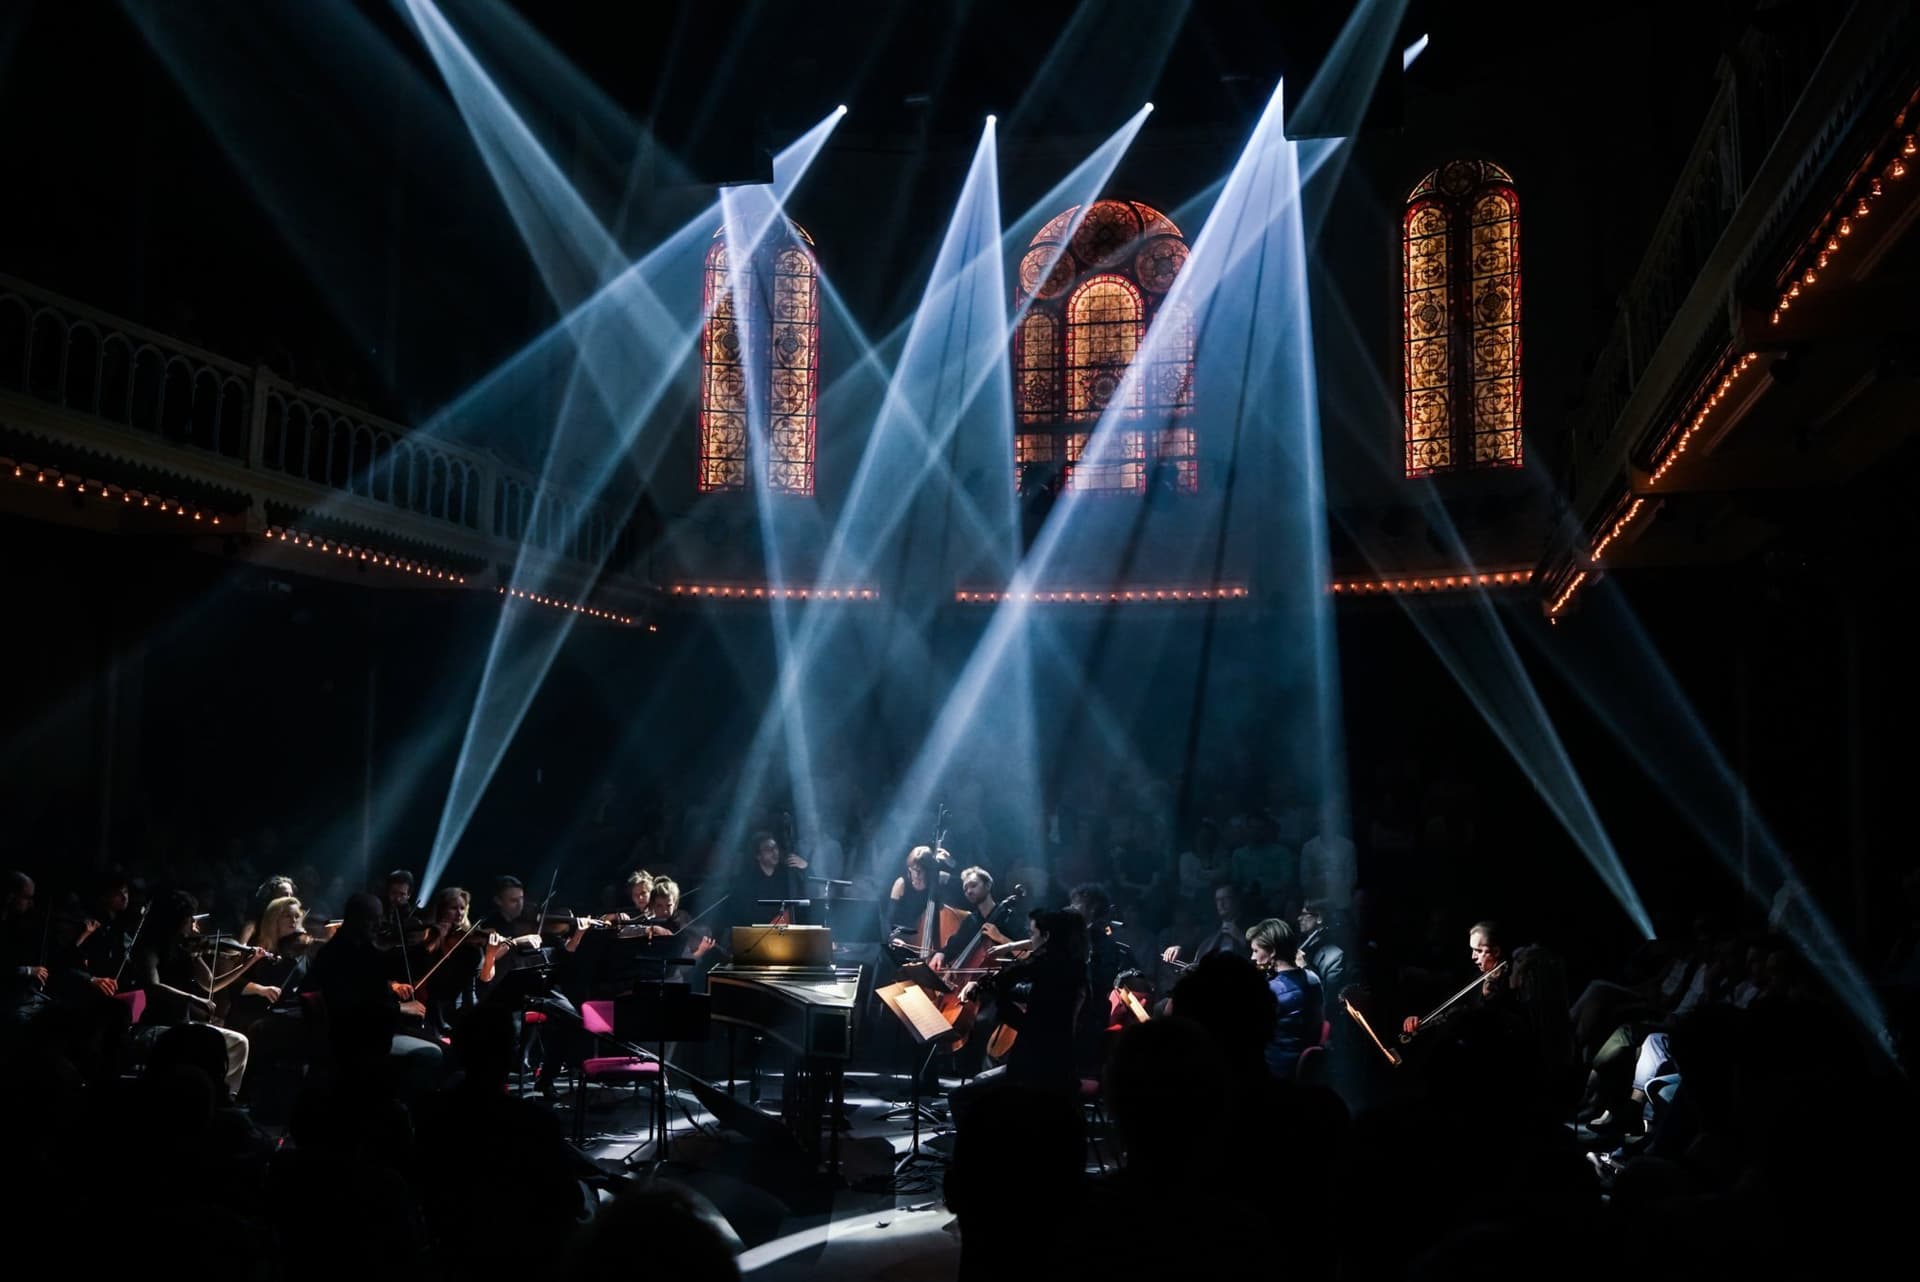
(976, 888)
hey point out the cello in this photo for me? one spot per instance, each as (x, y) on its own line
(958, 1001)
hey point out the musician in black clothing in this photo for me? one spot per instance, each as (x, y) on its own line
(976, 887)
(1041, 997)
(180, 984)
(353, 976)
(769, 875)
(516, 945)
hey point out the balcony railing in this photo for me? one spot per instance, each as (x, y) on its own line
(106, 370)
(1789, 95)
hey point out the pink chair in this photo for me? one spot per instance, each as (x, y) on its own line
(136, 1004)
(634, 1069)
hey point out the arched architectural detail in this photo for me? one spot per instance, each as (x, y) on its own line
(1093, 288)
(762, 363)
(1460, 263)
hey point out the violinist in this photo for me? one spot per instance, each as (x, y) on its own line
(281, 931)
(639, 900)
(269, 890)
(396, 900)
(182, 972)
(1106, 958)
(1483, 946)
(666, 921)
(353, 976)
(446, 962)
(105, 933)
(514, 942)
(1041, 996)
(515, 933)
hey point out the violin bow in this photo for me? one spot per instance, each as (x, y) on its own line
(400, 934)
(448, 952)
(128, 954)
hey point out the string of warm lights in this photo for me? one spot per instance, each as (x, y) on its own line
(1830, 238)
(348, 552)
(748, 592)
(1566, 595)
(1392, 585)
(1856, 201)
(1619, 527)
(573, 607)
(1104, 595)
(54, 478)
(1730, 374)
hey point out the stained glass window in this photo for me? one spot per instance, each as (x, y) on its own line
(794, 372)
(773, 368)
(1105, 322)
(1036, 360)
(1119, 464)
(723, 384)
(1461, 261)
(1091, 288)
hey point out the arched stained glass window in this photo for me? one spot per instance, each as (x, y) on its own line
(1460, 255)
(769, 367)
(1105, 322)
(1092, 290)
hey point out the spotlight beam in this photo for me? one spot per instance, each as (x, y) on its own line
(900, 427)
(1479, 655)
(1663, 734)
(628, 350)
(1221, 244)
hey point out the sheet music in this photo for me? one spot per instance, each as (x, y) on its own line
(911, 1003)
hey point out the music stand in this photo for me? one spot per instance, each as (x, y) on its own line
(661, 1011)
(914, 1009)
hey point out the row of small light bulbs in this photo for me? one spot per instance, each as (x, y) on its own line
(81, 486)
(1619, 527)
(1441, 583)
(331, 547)
(1122, 594)
(1895, 170)
(778, 594)
(1706, 407)
(574, 607)
(1566, 595)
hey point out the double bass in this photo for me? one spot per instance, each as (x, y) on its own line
(939, 921)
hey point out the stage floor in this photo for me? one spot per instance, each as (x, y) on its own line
(866, 1224)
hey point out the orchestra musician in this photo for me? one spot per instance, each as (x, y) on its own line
(353, 976)
(665, 921)
(1484, 947)
(1296, 993)
(928, 875)
(182, 981)
(769, 874)
(281, 932)
(1040, 996)
(976, 888)
(396, 902)
(516, 941)
(1226, 935)
(276, 887)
